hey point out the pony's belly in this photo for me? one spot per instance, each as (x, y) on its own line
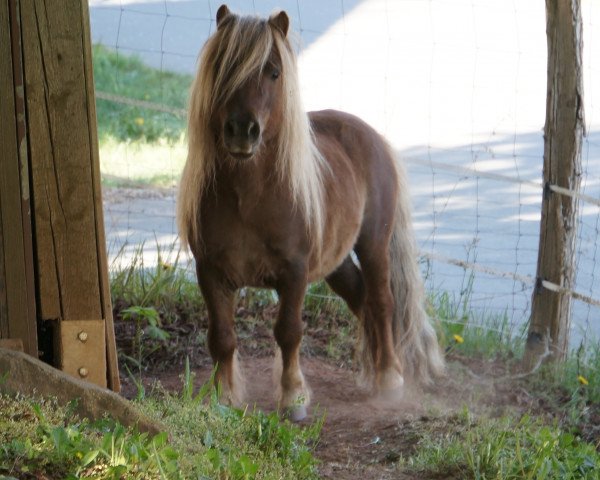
(338, 242)
(243, 266)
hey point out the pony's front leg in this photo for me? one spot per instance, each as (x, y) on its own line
(222, 341)
(294, 395)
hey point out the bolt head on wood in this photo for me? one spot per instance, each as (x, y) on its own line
(82, 336)
(83, 372)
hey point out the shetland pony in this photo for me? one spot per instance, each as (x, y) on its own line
(272, 197)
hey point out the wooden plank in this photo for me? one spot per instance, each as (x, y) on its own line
(8, 139)
(113, 380)
(15, 344)
(18, 311)
(3, 297)
(61, 160)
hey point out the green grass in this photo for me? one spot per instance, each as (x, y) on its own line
(40, 439)
(231, 443)
(139, 146)
(140, 164)
(504, 448)
(482, 334)
(167, 286)
(471, 333)
(127, 76)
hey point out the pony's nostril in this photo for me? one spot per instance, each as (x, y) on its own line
(241, 130)
(230, 128)
(253, 131)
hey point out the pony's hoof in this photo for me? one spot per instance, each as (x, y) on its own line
(391, 395)
(296, 413)
(391, 386)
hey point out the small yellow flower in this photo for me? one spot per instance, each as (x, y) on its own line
(139, 121)
(79, 455)
(582, 380)
(166, 266)
(458, 338)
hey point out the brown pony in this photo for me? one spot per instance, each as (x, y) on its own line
(273, 197)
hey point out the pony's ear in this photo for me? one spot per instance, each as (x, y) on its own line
(281, 22)
(222, 13)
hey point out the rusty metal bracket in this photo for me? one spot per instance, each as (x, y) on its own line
(81, 347)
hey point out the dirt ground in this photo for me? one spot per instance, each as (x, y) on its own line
(362, 438)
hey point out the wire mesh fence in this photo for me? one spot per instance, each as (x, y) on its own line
(457, 87)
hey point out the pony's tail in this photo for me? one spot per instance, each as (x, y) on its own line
(414, 337)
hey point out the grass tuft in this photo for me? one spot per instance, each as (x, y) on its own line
(231, 443)
(41, 439)
(504, 448)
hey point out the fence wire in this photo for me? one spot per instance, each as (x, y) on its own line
(457, 87)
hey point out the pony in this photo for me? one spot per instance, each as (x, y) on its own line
(273, 197)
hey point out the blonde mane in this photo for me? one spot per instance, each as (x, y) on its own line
(239, 49)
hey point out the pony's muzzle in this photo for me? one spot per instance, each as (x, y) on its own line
(241, 136)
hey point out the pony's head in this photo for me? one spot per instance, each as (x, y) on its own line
(245, 101)
(248, 81)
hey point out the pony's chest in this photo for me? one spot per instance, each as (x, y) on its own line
(245, 261)
(246, 245)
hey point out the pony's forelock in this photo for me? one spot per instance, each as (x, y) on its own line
(238, 50)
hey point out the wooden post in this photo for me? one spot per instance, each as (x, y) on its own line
(71, 272)
(550, 315)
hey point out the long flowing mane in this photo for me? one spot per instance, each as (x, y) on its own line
(238, 50)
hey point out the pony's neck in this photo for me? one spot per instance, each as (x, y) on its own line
(250, 177)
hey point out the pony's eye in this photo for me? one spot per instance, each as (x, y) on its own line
(275, 74)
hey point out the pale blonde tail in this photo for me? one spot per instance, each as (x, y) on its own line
(414, 337)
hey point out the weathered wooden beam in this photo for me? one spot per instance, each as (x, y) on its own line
(72, 270)
(563, 131)
(21, 376)
(61, 160)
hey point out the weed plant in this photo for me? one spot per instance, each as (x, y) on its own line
(464, 331)
(167, 286)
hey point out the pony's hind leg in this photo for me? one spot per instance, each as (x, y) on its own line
(348, 283)
(294, 396)
(379, 356)
(222, 342)
(378, 364)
